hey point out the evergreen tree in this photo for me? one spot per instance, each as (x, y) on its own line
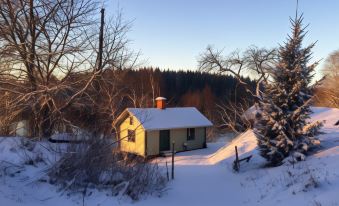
(285, 105)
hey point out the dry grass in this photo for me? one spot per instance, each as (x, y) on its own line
(96, 163)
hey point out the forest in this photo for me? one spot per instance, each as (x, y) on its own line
(184, 89)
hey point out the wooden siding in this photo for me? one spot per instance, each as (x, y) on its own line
(152, 143)
(137, 147)
(179, 136)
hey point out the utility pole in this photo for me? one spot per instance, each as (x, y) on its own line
(101, 39)
(99, 68)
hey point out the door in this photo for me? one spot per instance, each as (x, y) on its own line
(164, 143)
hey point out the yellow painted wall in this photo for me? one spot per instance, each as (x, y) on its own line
(152, 142)
(179, 136)
(200, 136)
(137, 147)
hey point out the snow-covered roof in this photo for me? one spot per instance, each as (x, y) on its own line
(250, 113)
(169, 118)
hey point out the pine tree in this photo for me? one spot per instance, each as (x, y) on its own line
(285, 105)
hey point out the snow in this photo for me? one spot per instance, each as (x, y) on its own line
(203, 177)
(160, 98)
(249, 114)
(329, 115)
(169, 118)
(217, 152)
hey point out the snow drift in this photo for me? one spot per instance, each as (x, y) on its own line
(203, 177)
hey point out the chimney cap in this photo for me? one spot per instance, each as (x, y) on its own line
(160, 98)
(160, 102)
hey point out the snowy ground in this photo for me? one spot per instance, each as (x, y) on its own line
(203, 177)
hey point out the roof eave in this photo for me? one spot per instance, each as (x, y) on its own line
(169, 128)
(124, 115)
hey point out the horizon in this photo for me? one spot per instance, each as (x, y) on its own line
(180, 33)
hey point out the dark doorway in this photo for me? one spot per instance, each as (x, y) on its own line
(164, 143)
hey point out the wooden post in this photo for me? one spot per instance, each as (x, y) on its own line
(167, 171)
(173, 160)
(237, 165)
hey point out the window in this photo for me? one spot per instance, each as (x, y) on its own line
(131, 136)
(190, 134)
(131, 120)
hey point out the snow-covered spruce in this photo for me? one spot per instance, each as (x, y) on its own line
(285, 104)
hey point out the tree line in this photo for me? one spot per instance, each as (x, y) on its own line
(183, 88)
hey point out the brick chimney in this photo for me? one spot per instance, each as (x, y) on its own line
(161, 102)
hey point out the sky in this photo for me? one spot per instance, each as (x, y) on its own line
(171, 34)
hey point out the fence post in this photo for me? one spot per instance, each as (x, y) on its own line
(237, 165)
(173, 160)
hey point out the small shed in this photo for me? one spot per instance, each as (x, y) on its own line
(151, 131)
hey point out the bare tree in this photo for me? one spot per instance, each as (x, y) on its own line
(259, 62)
(327, 92)
(331, 68)
(154, 86)
(106, 89)
(255, 62)
(233, 116)
(48, 59)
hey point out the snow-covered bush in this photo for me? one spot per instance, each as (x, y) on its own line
(96, 163)
(285, 103)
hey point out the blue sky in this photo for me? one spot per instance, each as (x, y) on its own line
(171, 34)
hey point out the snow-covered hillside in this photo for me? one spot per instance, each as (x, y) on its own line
(202, 177)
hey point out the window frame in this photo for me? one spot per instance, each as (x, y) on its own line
(190, 134)
(131, 120)
(131, 135)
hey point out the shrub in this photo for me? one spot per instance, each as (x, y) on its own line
(95, 162)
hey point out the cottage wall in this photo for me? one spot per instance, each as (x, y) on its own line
(137, 147)
(152, 143)
(179, 136)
